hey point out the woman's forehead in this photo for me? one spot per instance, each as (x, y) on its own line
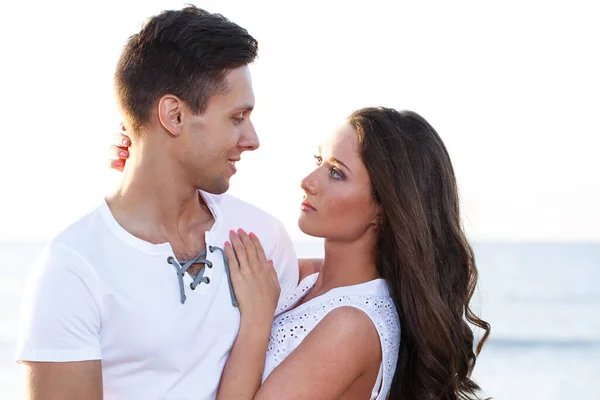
(341, 140)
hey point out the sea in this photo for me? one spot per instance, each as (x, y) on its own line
(542, 300)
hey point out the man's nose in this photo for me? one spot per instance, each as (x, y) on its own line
(249, 139)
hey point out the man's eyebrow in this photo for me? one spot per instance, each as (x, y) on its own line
(245, 107)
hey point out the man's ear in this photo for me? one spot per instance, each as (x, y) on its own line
(170, 113)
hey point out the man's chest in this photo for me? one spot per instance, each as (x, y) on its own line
(177, 347)
(160, 331)
(143, 313)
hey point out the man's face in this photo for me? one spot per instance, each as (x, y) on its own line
(215, 140)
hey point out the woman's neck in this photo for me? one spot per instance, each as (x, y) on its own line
(346, 263)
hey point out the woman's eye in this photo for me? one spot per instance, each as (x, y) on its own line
(318, 159)
(335, 173)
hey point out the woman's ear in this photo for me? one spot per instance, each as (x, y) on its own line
(376, 219)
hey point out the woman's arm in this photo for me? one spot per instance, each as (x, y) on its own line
(256, 288)
(244, 368)
(343, 347)
(339, 350)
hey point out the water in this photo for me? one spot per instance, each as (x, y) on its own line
(543, 301)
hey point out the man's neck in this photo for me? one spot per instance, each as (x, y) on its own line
(156, 202)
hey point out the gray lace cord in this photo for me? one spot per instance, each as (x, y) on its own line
(234, 301)
(200, 259)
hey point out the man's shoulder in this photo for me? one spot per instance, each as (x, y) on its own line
(85, 230)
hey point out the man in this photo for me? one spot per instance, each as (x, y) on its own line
(133, 300)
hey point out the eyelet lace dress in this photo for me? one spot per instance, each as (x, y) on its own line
(373, 298)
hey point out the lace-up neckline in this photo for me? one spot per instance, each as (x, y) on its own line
(182, 266)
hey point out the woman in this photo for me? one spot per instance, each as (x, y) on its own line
(388, 313)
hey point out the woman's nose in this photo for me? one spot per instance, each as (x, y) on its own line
(309, 184)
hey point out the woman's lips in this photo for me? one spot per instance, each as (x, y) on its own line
(306, 206)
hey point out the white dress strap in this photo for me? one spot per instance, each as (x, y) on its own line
(377, 387)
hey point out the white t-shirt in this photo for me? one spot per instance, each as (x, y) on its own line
(373, 298)
(99, 293)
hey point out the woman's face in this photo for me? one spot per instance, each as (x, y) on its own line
(337, 195)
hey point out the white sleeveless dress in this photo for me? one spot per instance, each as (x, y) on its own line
(373, 298)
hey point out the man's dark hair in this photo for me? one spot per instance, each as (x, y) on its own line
(186, 53)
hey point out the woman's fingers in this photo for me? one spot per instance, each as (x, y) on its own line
(122, 140)
(273, 273)
(249, 250)
(231, 258)
(116, 157)
(248, 247)
(116, 165)
(260, 252)
(118, 153)
(253, 278)
(238, 248)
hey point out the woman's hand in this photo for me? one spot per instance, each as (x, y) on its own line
(257, 290)
(119, 151)
(253, 278)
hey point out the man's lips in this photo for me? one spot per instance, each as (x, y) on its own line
(231, 162)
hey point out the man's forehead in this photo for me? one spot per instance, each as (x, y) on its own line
(238, 78)
(232, 99)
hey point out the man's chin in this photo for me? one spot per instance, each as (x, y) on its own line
(216, 187)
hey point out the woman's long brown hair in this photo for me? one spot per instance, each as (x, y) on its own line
(423, 253)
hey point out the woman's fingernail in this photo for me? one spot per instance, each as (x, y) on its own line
(252, 234)
(241, 230)
(232, 232)
(119, 163)
(227, 243)
(125, 142)
(123, 154)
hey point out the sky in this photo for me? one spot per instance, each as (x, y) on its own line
(512, 87)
